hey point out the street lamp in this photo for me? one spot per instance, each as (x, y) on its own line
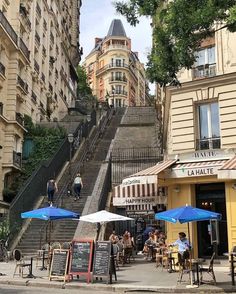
(100, 110)
(70, 140)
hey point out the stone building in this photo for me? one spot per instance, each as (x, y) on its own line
(199, 135)
(114, 71)
(39, 49)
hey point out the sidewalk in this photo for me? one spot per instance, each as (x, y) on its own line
(138, 275)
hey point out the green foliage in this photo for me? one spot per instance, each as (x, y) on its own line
(179, 28)
(46, 142)
(83, 88)
(4, 229)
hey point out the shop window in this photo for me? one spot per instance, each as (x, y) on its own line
(205, 65)
(209, 127)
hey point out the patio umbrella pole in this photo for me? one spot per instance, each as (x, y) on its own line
(190, 262)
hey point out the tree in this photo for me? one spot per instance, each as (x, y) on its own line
(179, 27)
(83, 88)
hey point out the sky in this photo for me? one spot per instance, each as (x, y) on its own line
(95, 19)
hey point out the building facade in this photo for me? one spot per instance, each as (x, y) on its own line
(114, 71)
(39, 49)
(199, 136)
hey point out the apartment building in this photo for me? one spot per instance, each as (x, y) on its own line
(200, 143)
(115, 72)
(39, 49)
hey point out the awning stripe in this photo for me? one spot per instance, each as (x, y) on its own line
(156, 169)
(200, 164)
(136, 190)
(230, 164)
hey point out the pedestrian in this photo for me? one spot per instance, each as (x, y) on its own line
(78, 184)
(51, 190)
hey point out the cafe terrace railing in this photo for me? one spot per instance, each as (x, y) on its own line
(35, 186)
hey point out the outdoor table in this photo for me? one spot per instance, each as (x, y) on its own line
(170, 260)
(232, 261)
(197, 263)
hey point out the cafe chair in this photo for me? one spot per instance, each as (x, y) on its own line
(184, 268)
(209, 270)
(20, 263)
(43, 253)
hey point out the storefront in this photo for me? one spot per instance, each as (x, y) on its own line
(204, 179)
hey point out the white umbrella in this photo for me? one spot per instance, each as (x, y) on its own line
(103, 216)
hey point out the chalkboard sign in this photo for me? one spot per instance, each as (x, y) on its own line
(101, 263)
(81, 258)
(59, 264)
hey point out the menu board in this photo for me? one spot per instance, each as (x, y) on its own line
(59, 264)
(101, 264)
(81, 257)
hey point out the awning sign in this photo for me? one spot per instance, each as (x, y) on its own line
(129, 201)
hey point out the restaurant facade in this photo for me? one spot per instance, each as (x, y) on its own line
(199, 143)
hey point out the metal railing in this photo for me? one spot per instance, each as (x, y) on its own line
(9, 29)
(22, 84)
(208, 143)
(2, 69)
(204, 71)
(24, 48)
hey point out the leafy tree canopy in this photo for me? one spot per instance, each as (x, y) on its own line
(83, 88)
(179, 27)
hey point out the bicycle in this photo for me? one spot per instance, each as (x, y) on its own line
(3, 251)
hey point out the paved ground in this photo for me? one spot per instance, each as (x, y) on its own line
(140, 275)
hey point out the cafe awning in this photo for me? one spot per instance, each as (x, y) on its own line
(149, 175)
(228, 169)
(141, 188)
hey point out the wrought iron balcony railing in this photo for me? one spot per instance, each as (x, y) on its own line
(24, 48)
(204, 71)
(33, 96)
(208, 143)
(19, 118)
(23, 85)
(2, 69)
(17, 159)
(8, 28)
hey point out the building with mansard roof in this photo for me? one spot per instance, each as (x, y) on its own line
(115, 72)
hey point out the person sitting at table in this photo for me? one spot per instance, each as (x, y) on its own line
(149, 245)
(183, 248)
(113, 238)
(127, 246)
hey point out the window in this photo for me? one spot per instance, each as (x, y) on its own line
(205, 65)
(118, 62)
(209, 126)
(118, 89)
(118, 76)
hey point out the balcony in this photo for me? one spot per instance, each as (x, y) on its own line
(43, 77)
(36, 66)
(2, 70)
(8, 28)
(24, 13)
(17, 159)
(204, 71)
(38, 10)
(22, 85)
(208, 143)
(118, 79)
(37, 39)
(50, 87)
(119, 65)
(116, 92)
(33, 97)
(24, 49)
(116, 47)
(19, 118)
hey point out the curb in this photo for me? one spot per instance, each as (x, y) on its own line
(118, 288)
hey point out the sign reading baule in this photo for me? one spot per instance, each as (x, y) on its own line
(59, 264)
(81, 258)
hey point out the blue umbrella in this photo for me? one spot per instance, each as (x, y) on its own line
(185, 214)
(50, 213)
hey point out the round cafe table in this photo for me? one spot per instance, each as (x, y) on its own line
(197, 262)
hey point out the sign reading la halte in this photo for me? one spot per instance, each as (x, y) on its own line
(200, 169)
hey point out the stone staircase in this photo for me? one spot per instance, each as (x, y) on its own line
(63, 230)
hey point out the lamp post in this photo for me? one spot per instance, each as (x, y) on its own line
(70, 140)
(100, 110)
(113, 101)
